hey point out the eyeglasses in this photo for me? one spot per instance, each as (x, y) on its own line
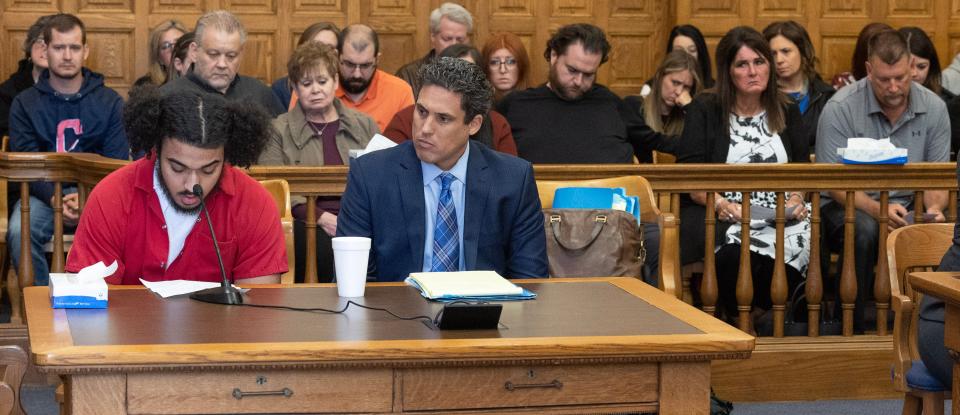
(509, 62)
(167, 45)
(363, 67)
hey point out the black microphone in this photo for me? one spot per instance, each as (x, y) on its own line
(226, 293)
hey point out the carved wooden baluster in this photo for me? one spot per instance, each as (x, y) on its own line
(26, 264)
(881, 284)
(951, 206)
(778, 286)
(56, 263)
(814, 288)
(14, 281)
(675, 209)
(918, 208)
(708, 285)
(675, 204)
(310, 227)
(745, 275)
(848, 275)
(81, 196)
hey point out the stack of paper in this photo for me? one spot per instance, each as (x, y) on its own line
(467, 285)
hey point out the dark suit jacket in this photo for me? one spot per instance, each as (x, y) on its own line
(503, 223)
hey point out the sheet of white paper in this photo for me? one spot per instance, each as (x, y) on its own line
(378, 142)
(179, 287)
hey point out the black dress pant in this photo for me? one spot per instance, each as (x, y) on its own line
(761, 269)
(867, 235)
(325, 267)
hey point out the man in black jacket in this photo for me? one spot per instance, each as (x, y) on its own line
(570, 119)
(216, 52)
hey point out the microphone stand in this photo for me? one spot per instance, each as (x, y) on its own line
(224, 294)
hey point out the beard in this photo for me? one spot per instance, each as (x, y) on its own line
(169, 195)
(355, 85)
(565, 93)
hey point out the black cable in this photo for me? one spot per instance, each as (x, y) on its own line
(342, 310)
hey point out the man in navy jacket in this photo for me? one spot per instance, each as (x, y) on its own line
(443, 202)
(68, 110)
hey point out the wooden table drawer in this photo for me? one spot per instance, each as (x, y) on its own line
(520, 386)
(311, 391)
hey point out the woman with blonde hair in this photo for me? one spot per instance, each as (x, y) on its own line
(162, 40)
(658, 112)
(506, 64)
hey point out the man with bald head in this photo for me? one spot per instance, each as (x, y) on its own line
(363, 87)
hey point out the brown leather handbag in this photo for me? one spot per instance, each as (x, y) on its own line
(593, 243)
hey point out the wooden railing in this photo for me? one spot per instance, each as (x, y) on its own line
(669, 181)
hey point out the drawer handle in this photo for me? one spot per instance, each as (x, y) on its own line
(510, 386)
(239, 394)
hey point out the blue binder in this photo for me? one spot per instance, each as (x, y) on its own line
(596, 198)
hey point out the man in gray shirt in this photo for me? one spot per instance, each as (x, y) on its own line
(884, 104)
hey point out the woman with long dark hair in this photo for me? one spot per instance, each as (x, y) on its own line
(688, 38)
(925, 66)
(746, 119)
(797, 77)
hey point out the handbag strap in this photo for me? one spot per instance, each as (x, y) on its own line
(598, 222)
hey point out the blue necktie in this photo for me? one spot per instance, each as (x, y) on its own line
(446, 240)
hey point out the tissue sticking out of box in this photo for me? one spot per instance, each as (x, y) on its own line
(864, 150)
(95, 272)
(378, 142)
(85, 289)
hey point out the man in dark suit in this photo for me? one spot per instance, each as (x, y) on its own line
(442, 202)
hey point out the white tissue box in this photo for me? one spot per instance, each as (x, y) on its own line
(862, 150)
(66, 291)
(874, 156)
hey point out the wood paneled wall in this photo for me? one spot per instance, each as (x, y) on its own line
(118, 29)
(833, 24)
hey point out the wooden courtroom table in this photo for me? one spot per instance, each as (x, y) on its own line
(945, 286)
(583, 346)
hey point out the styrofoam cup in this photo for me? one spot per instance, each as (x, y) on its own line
(350, 255)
